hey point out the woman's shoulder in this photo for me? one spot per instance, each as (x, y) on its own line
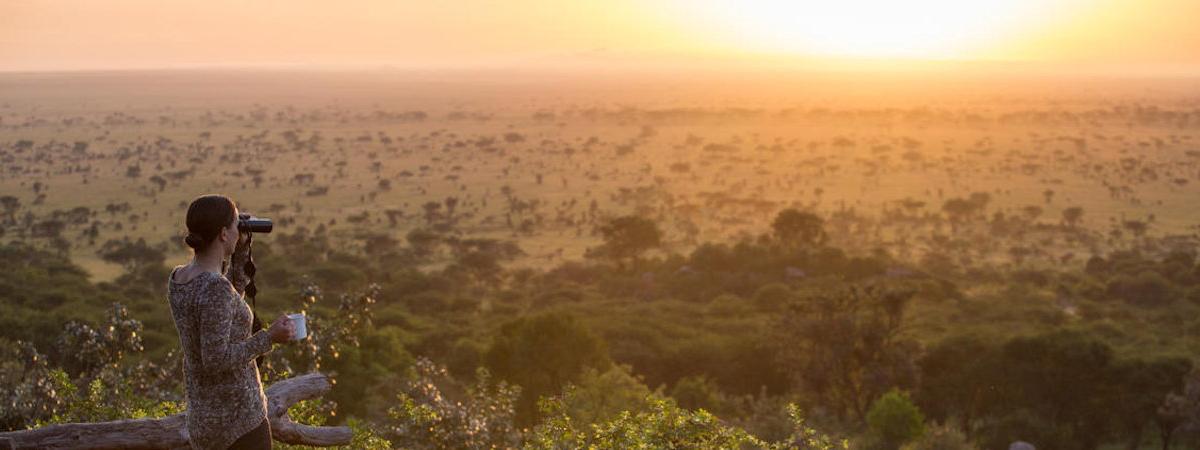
(202, 281)
(184, 275)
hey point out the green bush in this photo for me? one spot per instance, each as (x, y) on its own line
(941, 437)
(727, 305)
(894, 420)
(772, 296)
(600, 396)
(316, 412)
(663, 424)
(1147, 288)
(542, 354)
(427, 415)
(102, 402)
(698, 392)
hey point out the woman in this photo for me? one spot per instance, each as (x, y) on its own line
(226, 407)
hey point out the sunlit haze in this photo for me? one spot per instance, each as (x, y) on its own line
(133, 34)
(881, 29)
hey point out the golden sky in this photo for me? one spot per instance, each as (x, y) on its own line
(137, 34)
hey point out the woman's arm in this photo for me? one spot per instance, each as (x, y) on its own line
(217, 352)
(236, 271)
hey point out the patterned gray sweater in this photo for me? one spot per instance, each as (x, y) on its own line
(225, 396)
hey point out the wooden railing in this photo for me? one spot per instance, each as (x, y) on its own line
(171, 432)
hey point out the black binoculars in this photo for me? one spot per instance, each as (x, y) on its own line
(253, 224)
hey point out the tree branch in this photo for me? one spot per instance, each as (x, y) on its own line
(171, 432)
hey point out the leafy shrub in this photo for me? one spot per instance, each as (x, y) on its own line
(772, 296)
(941, 437)
(425, 417)
(542, 354)
(663, 424)
(727, 305)
(102, 402)
(895, 420)
(1147, 288)
(600, 396)
(698, 392)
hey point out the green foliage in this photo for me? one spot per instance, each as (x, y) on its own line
(600, 396)
(798, 228)
(1058, 389)
(133, 254)
(728, 305)
(42, 292)
(425, 416)
(773, 296)
(662, 424)
(941, 437)
(1061, 388)
(1072, 216)
(1180, 408)
(88, 380)
(805, 437)
(100, 402)
(627, 237)
(895, 420)
(843, 344)
(767, 417)
(1147, 288)
(542, 354)
(479, 259)
(83, 350)
(698, 392)
(1156, 379)
(961, 209)
(1004, 383)
(955, 373)
(338, 276)
(344, 344)
(1061, 379)
(27, 389)
(316, 412)
(365, 437)
(668, 339)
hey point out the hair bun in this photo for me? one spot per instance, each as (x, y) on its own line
(193, 241)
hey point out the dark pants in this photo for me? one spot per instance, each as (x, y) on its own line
(256, 439)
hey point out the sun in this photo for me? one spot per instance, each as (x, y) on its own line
(927, 29)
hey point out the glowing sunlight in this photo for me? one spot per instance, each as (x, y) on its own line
(927, 29)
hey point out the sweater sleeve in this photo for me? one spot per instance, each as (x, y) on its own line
(217, 352)
(236, 270)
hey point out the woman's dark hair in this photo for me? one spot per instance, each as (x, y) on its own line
(206, 217)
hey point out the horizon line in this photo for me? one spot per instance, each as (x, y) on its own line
(666, 66)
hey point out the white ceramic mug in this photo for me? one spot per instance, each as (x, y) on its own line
(299, 324)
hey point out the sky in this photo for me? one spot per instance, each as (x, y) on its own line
(58, 35)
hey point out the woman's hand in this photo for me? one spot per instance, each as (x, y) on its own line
(244, 237)
(281, 330)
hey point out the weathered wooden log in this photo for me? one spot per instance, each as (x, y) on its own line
(171, 432)
(284, 394)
